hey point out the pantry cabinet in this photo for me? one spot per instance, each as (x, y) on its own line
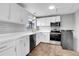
(4, 11)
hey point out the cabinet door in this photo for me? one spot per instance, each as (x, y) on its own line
(18, 47)
(45, 37)
(42, 37)
(39, 38)
(4, 11)
(43, 22)
(27, 45)
(24, 16)
(15, 15)
(7, 48)
(22, 46)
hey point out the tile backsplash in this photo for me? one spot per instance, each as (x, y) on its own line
(6, 27)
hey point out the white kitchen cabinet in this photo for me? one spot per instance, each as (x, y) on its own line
(18, 48)
(16, 13)
(42, 37)
(4, 11)
(55, 19)
(22, 46)
(38, 38)
(27, 45)
(24, 16)
(67, 22)
(8, 52)
(7, 48)
(43, 22)
(45, 37)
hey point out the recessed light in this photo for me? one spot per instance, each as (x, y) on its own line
(34, 17)
(51, 7)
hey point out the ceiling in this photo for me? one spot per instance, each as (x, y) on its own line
(41, 9)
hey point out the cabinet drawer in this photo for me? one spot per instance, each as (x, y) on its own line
(8, 52)
(6, 45)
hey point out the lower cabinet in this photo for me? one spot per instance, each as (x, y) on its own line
(22, 46)
(18, 47)
(9, 52)
(38, 38)
(42, 37)
(7, 49)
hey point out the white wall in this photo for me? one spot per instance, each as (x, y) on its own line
(67, 22)
(76, 32)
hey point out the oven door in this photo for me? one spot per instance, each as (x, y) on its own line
(55, 36)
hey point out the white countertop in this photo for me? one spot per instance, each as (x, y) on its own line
(14, 36)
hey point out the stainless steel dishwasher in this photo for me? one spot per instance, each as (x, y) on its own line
(32, 41)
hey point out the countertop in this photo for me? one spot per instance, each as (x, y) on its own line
(14, 36)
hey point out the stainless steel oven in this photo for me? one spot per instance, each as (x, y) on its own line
(55, 36)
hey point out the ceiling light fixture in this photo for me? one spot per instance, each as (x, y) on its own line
(51, 7)
(34, 17)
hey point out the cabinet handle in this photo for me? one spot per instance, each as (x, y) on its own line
(15, 49)
(24, 44)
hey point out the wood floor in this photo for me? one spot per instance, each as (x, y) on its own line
(46, 49)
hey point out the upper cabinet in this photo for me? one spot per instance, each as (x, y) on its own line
(46, 21)
(67, 22)
(55, 19)
(16, 13)
(43, 22)
(4, 11)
